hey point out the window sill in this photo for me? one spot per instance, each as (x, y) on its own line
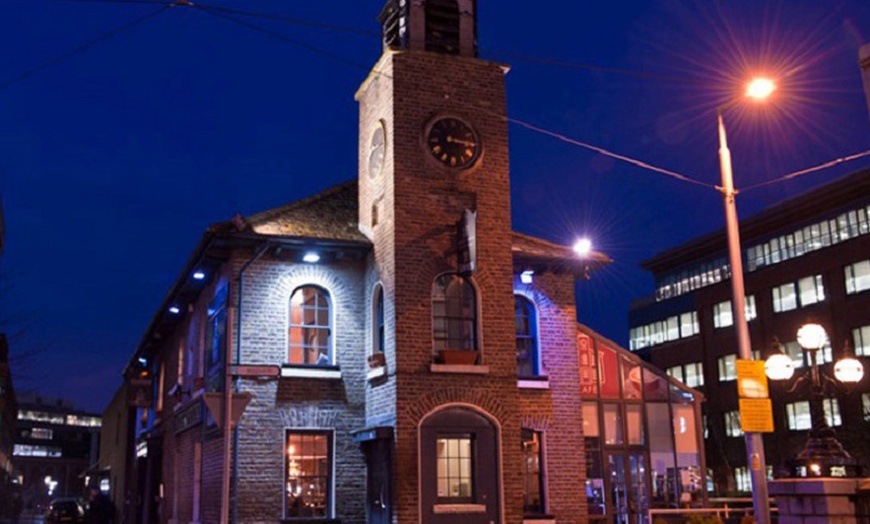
(376, 373)
(442, 509)
(542, 382)
(468, 369)
(311, 520)
(327, 372)
(539, 519)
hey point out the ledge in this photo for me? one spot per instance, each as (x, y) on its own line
(458, 508)
(533, 382)
(539, 520)
(473, 369)
(376, 373)
(327, 372)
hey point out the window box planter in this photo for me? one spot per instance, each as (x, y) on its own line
(377, 360)
(458, 357)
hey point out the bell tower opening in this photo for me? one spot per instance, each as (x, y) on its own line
(437, 26)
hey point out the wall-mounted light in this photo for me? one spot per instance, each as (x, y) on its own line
(583, 246)
(311, 257)
(199, 275)
(174, 310)
(526, 277)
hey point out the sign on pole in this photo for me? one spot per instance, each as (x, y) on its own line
(751, 380)
(756, 415)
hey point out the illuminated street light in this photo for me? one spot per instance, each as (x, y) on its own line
(760, 88)
(823, 455)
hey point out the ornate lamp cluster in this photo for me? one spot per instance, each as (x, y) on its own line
(823, 452)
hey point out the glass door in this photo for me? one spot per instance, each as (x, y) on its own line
(629, 497)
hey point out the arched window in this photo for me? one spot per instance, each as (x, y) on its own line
(454, 313)
(527, 337)
(378, 321)
(442, 26)
(309, 331)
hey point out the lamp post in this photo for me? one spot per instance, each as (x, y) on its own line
(822, 451)
(758, 89)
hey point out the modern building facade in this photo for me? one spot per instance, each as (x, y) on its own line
(805, 259)
(55, 446)
(9, 487)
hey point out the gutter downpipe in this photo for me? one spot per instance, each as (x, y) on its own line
(231, 436)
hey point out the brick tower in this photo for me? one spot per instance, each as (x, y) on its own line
(433, 157)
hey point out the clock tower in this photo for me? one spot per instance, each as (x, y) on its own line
(434, 198)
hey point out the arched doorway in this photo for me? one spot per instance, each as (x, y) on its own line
(460, 470)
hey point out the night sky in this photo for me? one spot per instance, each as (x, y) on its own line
(122, 138)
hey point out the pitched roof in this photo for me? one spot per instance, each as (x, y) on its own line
(328, 215)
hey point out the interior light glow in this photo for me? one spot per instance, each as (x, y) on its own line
(849, 370)
(174, 310)
(526, 276)
(311, 257)
(199, 275)
(583, 246)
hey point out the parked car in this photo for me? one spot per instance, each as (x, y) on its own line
(65, 511)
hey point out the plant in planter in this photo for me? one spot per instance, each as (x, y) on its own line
(458, 357)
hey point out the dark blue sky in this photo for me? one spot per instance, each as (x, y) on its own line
(114, 159)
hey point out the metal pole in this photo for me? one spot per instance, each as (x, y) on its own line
(754, 444)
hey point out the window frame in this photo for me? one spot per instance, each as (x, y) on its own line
(468, 339)
(531, 337)
(378, 321)
(330, 478)
(852, 281)
(792, 416)
(732, 423)
(723, 367)
(540, 473)
(472, 466)
(323, 293)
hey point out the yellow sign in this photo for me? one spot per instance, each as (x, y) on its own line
(751, 380)
(756, 415)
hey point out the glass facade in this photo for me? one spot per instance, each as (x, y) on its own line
(643, 435)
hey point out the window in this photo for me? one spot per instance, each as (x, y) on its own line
(41, 433)
(378, 321)
(215, 340)
(671, 328)
(784, 298)
(798, 414)
(677, 373)
(454, 313)
(309, 331)
(741, 479)
(694, 374)
(455, 469)
(807, 291)
(308, 474)
(689, 324)
(533, 480)
(832, 412)
(865, 404)
(728, 368)
(732, 424)
(722, 316)
(861, 340)
(812, 290)
(722, 313)
(527, 343)
(795, 352)
(857, 277)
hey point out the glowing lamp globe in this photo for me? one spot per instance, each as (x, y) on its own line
(849, 370)
(812, 336)
(779, 367)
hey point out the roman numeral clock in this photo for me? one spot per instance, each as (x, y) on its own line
(453, 143)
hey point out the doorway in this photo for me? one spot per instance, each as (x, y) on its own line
(629, 490)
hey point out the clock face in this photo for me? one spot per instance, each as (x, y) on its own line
(453, 143)
(377, 151)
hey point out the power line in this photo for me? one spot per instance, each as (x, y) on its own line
(280, 36)
(605, 152)
(79, 48)
(290, 20)
(819, 167)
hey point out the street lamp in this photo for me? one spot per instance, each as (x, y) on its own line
(823, 451)
(759, 89)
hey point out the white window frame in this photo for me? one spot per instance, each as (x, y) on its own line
(733, 427)
(727, 365)
(857, 277)
(799, 415)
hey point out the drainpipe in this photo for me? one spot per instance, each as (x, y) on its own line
(231, 436)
